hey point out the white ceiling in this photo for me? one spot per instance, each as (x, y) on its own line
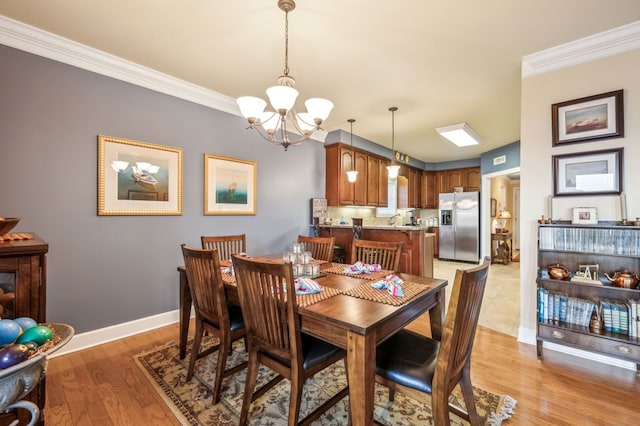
(439, 62)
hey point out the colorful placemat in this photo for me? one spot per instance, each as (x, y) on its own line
(338, 268)
(304, 300)
(365, 291)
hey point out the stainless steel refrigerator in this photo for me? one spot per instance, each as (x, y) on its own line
(460, 226)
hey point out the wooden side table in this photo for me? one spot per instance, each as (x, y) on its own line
(501, 247)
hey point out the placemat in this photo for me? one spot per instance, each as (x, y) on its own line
(365, 291)
(338, 268)
(304, 300)
(229, 279)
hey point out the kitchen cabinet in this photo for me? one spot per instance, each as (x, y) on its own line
(377, 188)
(428, 193)
(341, 158)
(409, 181)
(469, 178)
(472, 179)
(412, 259)
(23, 279)
(436, 241)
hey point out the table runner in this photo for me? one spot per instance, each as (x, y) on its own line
(365, 291)
(338, 268)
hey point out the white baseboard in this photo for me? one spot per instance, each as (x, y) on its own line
(526, 335)
(108, 334)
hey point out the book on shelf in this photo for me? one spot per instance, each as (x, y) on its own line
(606, 313)
(615, 317)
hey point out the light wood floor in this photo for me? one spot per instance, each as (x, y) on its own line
(103, 386)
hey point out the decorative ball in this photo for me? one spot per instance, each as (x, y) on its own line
(13, 354)
(38, 335)
(9, 331)
(26, 323)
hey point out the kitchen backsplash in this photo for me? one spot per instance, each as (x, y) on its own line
(369, 218)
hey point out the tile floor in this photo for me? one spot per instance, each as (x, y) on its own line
(501, 304)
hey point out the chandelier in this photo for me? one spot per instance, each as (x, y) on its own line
(276, 126)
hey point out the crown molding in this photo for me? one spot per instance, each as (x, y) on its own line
(597, 46)
(38, 42)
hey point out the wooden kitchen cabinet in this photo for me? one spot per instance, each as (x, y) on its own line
(341, 158)
(469, 178)
(428, 192)
(377, 188)
(472, 179)
(412, 258)
(23, 276)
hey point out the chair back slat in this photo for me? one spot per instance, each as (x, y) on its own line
(206, 285)
(461, 322)
(225, 244)
(321, 248)
(387, 254)
(261, 289)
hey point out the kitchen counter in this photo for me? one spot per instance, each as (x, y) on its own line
(417, 243)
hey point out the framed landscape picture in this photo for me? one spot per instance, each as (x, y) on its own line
(588, 173)
(587, 119)
(138, 178)
(229, 186)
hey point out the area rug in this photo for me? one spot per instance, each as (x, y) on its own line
(191, 401)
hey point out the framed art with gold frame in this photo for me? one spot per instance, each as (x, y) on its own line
(230, 186)
(138, 178)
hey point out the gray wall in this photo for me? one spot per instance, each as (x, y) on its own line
(512, 158)
(106, 270)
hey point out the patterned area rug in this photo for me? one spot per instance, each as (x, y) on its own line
(192, 405)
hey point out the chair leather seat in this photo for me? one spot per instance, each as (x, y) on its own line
(314, 352)
(409, 359)
(235, 317)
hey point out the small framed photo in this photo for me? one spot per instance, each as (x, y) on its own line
(138, 178)
(585, 216)
(588, 173)
(494, 204)
(587, 119)
(229, 186)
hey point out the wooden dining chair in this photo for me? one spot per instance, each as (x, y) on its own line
(321, 248)
(225, 244)
(421, 365)
(212, 312)
(385, 253)
(266, 289)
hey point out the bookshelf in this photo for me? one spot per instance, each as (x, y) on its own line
(572, 313)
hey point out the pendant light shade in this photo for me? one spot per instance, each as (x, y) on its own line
(352, 175)
(393, 168)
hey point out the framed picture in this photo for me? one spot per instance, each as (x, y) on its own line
(229, 186)
(494, 206)
(138, 178)
(585, 216)
(588, 173)
(587, 119)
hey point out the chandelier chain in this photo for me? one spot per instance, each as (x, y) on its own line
(286, 43)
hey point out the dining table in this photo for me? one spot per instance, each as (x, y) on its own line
(352, 314)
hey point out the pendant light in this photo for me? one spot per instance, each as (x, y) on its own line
(352, 174)
(393, 168)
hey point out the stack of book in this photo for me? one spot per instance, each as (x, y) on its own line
(562, 308)
(622, 318)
